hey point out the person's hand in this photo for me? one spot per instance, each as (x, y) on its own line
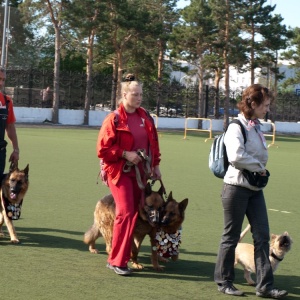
(133, 157)
(14, 157)
(156, 173)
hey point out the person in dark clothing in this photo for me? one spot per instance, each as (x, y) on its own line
(7, 126)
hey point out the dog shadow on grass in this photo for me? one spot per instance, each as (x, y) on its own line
(200, 268)
(48, 238)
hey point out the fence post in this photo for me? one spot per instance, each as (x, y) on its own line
(194, 129)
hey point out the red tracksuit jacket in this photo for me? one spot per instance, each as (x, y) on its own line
(115, 137)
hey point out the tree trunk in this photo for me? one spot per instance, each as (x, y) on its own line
(200, 112)
(114, 86)
(275, 90)
(89, 78)
(252, 58)
(225, 56)
(159, 74)
(119, 75)
(217, 98)
(56, 90)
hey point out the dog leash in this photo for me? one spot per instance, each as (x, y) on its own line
(162, 185)
(146, 165)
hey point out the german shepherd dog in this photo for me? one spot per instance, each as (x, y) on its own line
(244, 253)
(155, 214)
(13, 189)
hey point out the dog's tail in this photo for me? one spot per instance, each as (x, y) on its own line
(91, 235)
(243, 233)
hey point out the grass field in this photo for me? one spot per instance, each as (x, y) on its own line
(52, 262)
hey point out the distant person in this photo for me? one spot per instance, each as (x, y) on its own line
(7, 125)
(46, 96)
(243, 197)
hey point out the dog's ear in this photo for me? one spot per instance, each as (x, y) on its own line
(13, 166)
(183, 204)
(26, 170)
(148, 189)
(170, 197)
(288, 236)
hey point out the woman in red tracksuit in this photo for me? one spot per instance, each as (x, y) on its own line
(121, 135)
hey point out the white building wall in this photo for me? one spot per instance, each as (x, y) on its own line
(96, 117)
(237, 79)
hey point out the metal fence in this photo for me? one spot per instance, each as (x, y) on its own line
(28, 88)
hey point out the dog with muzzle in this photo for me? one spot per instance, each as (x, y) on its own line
(244, 253)
(156, 215)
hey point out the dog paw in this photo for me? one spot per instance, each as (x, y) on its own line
(250, 281)
(158, 268)
(94, 251)
(174, 257)
(16, 241)
(163, 259)
(137, 266)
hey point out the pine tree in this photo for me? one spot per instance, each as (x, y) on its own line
(225, 14)
(192, 39)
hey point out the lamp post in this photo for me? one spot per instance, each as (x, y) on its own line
(5, 36)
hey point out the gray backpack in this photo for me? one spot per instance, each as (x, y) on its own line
(218, 160)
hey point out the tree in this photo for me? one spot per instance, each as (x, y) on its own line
(47, 12)
(163, 16)
(191, 40)
(92, 15)
(128, 41)
(20, 37)
(293, 55)
(226, 15)
(276, 38)
(254, 16)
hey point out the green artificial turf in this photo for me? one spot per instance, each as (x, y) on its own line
(52, 262)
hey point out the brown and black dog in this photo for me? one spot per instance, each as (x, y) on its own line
(13, 189)
(171, 219)
(156, 214)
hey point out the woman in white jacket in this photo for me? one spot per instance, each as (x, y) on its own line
(240, 198)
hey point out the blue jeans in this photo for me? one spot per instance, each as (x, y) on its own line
(237, 202)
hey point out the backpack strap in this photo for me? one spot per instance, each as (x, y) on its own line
(6, 102)
(237, 121)
(148, 114)
(116, 112)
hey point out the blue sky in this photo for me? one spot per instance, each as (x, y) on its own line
(287, 8)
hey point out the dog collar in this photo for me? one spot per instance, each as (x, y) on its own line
(167, 245)
(13, 211)
(276, 257)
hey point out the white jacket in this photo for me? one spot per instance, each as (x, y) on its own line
(252, 156)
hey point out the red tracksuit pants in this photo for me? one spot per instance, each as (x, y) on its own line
(127, 196)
